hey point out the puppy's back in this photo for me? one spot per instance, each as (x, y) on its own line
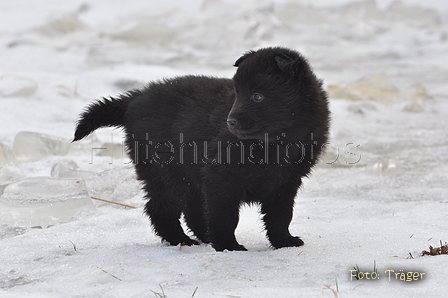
(195, 106)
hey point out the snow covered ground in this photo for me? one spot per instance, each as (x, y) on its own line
(379, 196)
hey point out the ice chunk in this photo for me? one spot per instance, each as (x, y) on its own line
(146, 31)
(355, 12)
(89, 142)
(413, 107)
(34, 146)
(383, 165)
(372, 87)
(377, 87)
(293, 13)
(8, 232)
(62, 24)
(10, 172)
(128, 84)
(416, 16)
(12, 85)
(6, 155)
(418, 93)
(417, 98)
(114, 150)
(66, 164)
(364, 18)
(118, 185)
(69, 169)
(44, 201)
(212, 4)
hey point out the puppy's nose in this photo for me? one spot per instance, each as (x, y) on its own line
(232, 122)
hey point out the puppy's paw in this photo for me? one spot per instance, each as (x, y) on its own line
(288, 242)
(184, 242)
(190, 242)
(233, 247)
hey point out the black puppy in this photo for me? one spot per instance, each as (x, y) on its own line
(203, 146)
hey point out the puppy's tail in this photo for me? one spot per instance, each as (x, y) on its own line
(103, 113)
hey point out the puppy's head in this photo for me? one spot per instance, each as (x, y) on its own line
(276, 93)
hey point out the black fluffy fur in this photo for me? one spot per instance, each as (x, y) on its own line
(203, 146)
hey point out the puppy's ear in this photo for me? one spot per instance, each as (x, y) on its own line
(287, 64)
(238, 62)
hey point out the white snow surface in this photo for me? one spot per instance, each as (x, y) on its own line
(378, 197)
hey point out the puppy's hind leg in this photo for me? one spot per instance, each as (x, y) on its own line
(164, 212)
(194, 214)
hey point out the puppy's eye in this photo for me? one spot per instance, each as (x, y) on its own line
(257, 97)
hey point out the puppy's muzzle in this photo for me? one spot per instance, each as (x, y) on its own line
(231, 123)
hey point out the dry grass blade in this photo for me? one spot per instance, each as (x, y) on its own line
(194, 293)
(108, 273)
(334, 292)
(110, 202)
(74, 246)
(159, 295)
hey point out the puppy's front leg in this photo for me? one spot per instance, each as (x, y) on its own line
(277, 210)
(222, 205)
